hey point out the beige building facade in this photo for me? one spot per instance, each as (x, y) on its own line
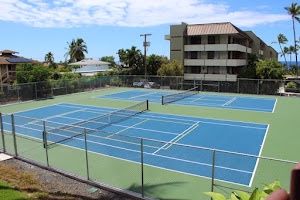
(217, 51)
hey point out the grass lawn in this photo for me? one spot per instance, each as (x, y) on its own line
(9, 193)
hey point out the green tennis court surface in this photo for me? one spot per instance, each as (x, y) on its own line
(165, 182)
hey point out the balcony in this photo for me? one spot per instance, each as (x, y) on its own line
(8, 77)
(217, 47)
(215, 62)
(211, 77)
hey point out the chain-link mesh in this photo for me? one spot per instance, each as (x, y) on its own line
(115, 159)
(48, 89)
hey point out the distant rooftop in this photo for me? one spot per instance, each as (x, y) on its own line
(7, 58)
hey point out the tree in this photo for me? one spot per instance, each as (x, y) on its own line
(290, 51)
(173, 68)
(269, 69)
(154, 62)
(133, 59)
(49, 58)
(281, 39)
(250, 70)
(75, 50)
(27, 72)
(294, 11)
(110, 59)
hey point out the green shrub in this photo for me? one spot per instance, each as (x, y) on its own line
(255, 195)
(291, 85)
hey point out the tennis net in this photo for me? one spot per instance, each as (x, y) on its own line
(178, 96)
(66, 132)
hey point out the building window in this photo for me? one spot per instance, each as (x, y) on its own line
(196, 70)
(210, 55)
(194, 54)
(213, 70)
(213, 39)
(195, 40)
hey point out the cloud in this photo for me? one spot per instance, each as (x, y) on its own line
(130, 13)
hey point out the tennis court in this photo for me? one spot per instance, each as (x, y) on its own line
(257, 104)
(117, 134)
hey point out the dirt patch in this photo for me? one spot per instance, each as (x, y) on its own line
(62, 187)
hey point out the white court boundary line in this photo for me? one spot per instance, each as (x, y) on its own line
(230, 101)
(178, 136)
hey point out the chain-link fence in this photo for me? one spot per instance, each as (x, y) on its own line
(145, 167)
(41, 90)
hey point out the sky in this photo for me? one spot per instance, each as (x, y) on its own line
(35, 27)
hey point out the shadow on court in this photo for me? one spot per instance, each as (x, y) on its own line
(157, 190)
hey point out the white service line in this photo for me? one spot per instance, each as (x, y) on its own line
(229, 102)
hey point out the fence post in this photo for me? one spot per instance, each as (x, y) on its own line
(86, 156)
(14, 133)
(2, 133)
(66, 86)
(213, 170)
(201, 87)
(36, 93)
(238, 86)
(142, 166)
(18, 92)
(257, 86)
(45, 142)
(219, 86)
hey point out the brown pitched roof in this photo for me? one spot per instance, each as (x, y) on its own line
(8, 51)
(7, 58)
(214, 29)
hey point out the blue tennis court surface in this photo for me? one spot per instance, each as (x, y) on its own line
(164, 136)
(201, 99)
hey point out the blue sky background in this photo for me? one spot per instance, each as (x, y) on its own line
(35, 27)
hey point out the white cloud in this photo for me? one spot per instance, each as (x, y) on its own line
(132, 13)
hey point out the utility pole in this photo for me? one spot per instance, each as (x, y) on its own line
(145, 44)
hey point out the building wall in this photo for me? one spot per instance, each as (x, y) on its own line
(228, 54)
(177, 41)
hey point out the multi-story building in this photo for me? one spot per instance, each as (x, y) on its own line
(8, 65)
(217, 51)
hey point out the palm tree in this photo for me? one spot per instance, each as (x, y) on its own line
(49, 58)
(291, 50)
(294, 11)
(76, 50)
(132, 58)
(282, 40)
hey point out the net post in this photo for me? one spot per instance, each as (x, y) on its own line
(142, 166)
(44, 135)
(147, 102)
(213, 171)
(45, 142)
(86, 156)
(14, 133)
(162, 100)
(2, 132)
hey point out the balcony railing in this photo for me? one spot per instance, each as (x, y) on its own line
(217, 47)
(211, 77)
(8, 76)
(215, 62)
